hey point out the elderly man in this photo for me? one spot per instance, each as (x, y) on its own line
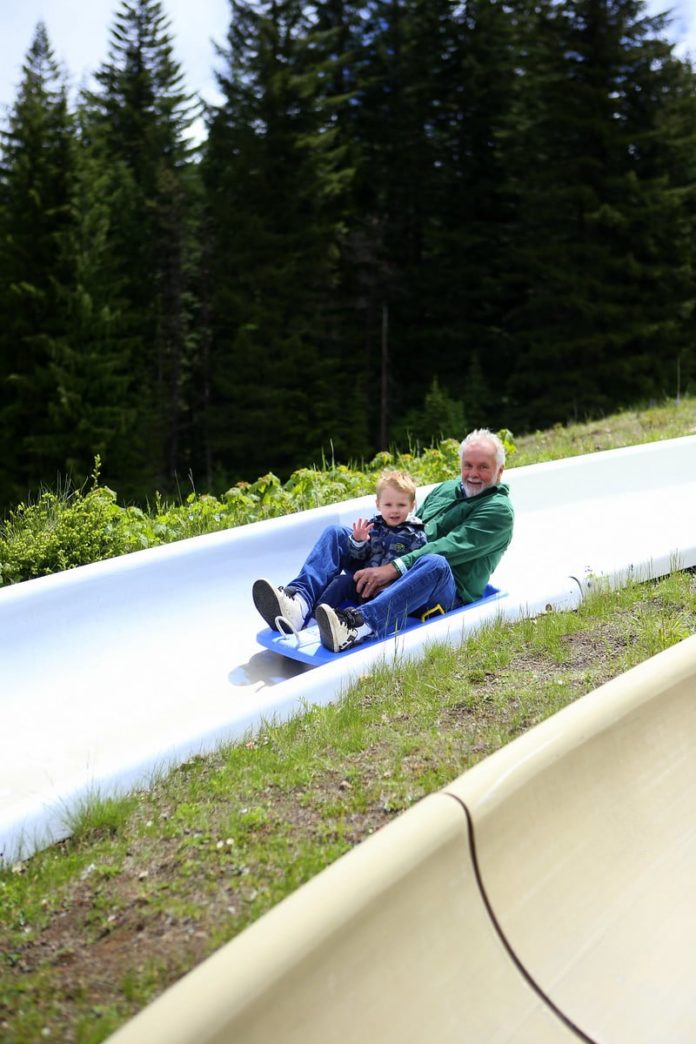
(468, 523)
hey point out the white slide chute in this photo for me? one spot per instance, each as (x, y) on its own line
(115, 671)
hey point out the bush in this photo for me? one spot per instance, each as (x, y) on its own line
(61, 531)
(74, 527)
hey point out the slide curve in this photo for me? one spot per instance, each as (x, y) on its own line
(545, 896)
(115, 671)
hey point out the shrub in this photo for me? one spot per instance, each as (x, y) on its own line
(61, 531)
(74, 527)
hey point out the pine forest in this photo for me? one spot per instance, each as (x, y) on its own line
(406, 218)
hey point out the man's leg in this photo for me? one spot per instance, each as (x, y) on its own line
(428, 583)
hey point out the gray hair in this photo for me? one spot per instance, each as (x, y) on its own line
(484, 435)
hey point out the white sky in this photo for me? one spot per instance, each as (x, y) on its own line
(683, 28)
(79, 33)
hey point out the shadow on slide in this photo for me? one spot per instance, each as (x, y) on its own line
(546, 895)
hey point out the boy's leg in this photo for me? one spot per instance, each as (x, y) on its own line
(341, 591)
(329, 556)
(295, 602)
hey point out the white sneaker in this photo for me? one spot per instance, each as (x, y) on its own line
(340, 629)
(281, 611)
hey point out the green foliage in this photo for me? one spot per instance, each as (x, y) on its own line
(72, 527)
(135, 127)
(277, 174)
(438, 417)
(37, 274)
(405, 214)
(601, 261)
(61, 530)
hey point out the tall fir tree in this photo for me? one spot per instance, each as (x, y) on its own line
(437, 81)
(602, 256)
(37, 273)
(94, 413)
(137, 121)
(395, 196)
(276, 176)
(471, 229)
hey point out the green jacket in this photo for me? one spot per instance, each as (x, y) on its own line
(470, 532)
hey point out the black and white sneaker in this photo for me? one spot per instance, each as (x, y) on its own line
(340, 629)
(281, 610)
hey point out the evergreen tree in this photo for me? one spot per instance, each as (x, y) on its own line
(438, 417)
(662, 226)
(37, 176)
(470, 234)
(92, 413)
(603, 255)
(136, 125)
(396, 193)
(283, 390)
(437, 93)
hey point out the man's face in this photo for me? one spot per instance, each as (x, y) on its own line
(479, 468)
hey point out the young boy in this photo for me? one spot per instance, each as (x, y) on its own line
(327, 574)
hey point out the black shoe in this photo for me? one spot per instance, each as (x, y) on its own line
(338, 628)
(281, 610)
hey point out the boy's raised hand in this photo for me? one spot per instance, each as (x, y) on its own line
(361, 529)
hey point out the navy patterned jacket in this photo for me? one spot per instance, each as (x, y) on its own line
(386, 543)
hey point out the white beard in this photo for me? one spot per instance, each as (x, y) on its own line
(471, 491)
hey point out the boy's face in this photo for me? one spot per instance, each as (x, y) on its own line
(394, 506)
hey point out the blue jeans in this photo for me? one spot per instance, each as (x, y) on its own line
(429, 582)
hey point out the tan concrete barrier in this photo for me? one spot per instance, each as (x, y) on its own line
(584, 833)
(389, 945)
(547, 895)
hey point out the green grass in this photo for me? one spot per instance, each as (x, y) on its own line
(668, 420)
(151, 883)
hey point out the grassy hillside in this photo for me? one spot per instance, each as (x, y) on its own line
(95, 927)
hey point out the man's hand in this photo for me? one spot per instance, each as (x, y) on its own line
(362, 529)
(371, 581)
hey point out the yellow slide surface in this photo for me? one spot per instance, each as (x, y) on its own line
(549, 894)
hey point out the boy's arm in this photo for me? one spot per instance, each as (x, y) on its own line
(360, 538)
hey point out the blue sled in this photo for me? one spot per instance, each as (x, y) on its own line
(307, 648)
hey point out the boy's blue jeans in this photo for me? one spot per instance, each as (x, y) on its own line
(429, 582)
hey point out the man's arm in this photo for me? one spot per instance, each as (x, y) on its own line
(484, 531)
(374, 579)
